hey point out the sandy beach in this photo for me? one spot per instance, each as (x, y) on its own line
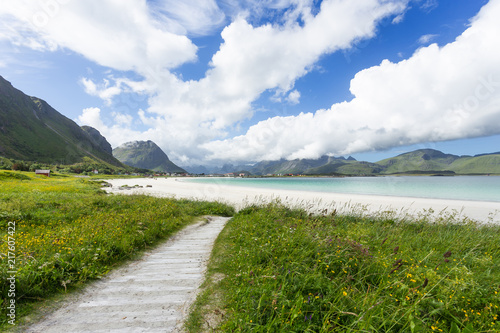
(481, 211)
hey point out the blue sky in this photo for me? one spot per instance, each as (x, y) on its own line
(246, 80)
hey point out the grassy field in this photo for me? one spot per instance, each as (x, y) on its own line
(58, 233)
(279, 270)
(272, 269)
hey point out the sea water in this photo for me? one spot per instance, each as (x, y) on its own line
(478, 188)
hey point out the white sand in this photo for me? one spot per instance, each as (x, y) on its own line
(481, 211)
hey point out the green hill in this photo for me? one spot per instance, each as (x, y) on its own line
(429, 160)
(418, 160)
(326, 165)
(478, 164)
(423, 161)
(287, 166)
(98, 139)
(146, 155)
(31, 130)
(345, 167)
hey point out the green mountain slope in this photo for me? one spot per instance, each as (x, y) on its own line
(146, 155)
(434, 160)
(326, 165)
(418, 161)
(478, 164)
(345, 167)
(98, 139)
(293, 166)
(30, 129)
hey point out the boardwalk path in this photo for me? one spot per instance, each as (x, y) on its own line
(149, 295)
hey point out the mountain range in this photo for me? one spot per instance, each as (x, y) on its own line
(145, 155)
(31, 130)
(422, 161)
(429, 160)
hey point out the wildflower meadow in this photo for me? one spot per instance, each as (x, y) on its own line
(68, 232)
(274, 269)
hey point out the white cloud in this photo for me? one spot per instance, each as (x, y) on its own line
(122, 119)
(115, 134)
(250, 61)
(438, 94)
(103, 91)
(426, 39)
(111, 87)
(398, 19)
(254, 59)
(428, 5)
(189, 17)
(91, 117)
(294, 97)
(119, 34)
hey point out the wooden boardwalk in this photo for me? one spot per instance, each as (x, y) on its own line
(152, 294)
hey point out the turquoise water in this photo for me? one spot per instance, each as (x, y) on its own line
(480, 188)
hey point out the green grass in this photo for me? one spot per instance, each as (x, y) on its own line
(279, 270)
(273, 269)
(68, 232)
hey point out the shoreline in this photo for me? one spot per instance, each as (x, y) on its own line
(315, 202)
(347, 193)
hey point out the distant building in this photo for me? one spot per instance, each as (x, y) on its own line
(43, 172)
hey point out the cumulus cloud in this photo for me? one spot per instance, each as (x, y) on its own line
(116, 134)
(252, 60)
(437, 94)
(119, 34)
(258, 10)
(111, 87)
(122, 119)
(91, 117)
(103, 91)
(293, 97)
(150, 38)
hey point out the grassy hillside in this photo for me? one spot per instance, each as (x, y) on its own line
(30, 129)
(101, 141)
(479, 164)
(422, 160)
(323, 165)
(426, 160)
(346, 167)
